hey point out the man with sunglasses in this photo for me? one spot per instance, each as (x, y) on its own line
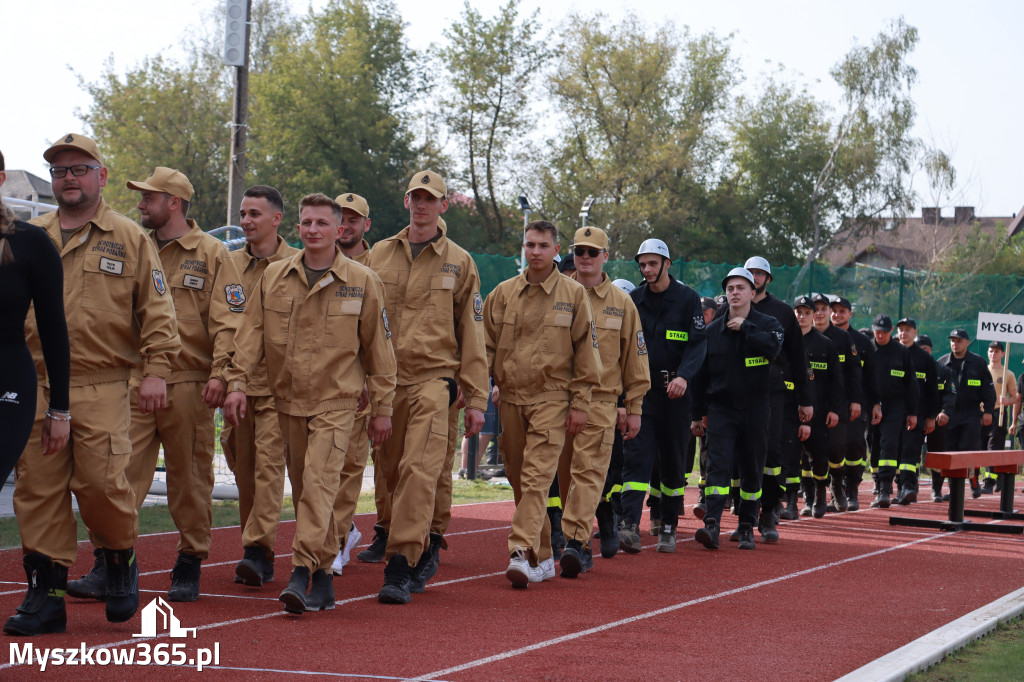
(673, 339)
(119, 313)
(625, 378)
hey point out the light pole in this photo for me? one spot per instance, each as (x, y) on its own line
(524, 205)
(588, 203)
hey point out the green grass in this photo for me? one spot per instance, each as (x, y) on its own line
(993, 658)
(157, 519)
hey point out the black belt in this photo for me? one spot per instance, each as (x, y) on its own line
(667, 377)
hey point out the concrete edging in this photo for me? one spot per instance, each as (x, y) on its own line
(928, 650)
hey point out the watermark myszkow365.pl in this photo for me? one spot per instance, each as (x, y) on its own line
(141, 653)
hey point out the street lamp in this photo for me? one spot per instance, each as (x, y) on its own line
(524, 206)
(588, 203)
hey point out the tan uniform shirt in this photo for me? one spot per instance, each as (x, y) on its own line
(251, 269)
(624, 365)
(208, 301)
(362, 257)
(115, 299)
(436, 313)
(322, 344)
(541, 341)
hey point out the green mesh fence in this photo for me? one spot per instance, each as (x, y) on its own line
(938, 302)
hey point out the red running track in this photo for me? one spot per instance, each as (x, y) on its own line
(835, 594)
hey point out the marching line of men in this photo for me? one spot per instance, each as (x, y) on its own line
(320, 354)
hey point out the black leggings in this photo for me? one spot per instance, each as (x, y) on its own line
(17, 405)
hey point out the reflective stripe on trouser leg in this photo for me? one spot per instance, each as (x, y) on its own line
(665, 442)
(736, 440)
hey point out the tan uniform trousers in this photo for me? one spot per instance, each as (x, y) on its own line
(412, 460)
(443, 496)
(255, 452)
(381, 494)
(531, 443)
(92, 465)
(186, 431)
(316, 448)
(582, 468)
(351, 483)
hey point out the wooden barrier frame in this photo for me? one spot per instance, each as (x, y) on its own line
(956, 467)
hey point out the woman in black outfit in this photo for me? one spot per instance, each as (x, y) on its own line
(30, 272)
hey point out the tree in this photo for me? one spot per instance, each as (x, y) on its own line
(490, 64)
(642, 127)
(330, 115)
(865, 176)
(780, 142)
(162, 113)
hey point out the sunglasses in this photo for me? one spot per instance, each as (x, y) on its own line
(78, 170)
(587, 251)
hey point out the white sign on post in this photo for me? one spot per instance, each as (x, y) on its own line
(999, 327)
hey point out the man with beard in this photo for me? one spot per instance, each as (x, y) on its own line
(117, 307)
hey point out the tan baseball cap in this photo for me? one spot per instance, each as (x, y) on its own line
(73, 141)
(590, 236)
(165, 180)
(430, 181)
(354, 202)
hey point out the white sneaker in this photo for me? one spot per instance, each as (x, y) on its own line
(354, 536)
(519, 571)
(545, 571)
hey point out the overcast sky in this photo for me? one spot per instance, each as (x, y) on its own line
(970, 93)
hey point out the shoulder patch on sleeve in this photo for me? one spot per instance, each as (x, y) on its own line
(698, 321)
(235, 295)
(478, 307)
(158, 282)
(593, 332)
(641, 345)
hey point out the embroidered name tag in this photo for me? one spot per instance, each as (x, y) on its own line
(193, 282)
(114, 267)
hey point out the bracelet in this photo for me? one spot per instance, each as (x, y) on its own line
(59, 415)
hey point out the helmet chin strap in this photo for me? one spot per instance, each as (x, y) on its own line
(661, 269)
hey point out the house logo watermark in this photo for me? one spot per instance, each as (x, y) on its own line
(160, 612)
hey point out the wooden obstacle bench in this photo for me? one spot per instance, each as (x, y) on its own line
(956, 467)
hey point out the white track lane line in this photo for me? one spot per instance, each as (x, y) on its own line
(668, 609)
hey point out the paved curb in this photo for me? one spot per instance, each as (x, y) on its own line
(925, 652)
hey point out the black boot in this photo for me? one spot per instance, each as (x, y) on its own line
(374, 554)
(769, 532)
(746, 536)
(396, 581)
(789, 511)
(92, 585)
(185, 578)
(122, 584)
(818, 510)
(588, 559)
(571, 562)
(667, 539)
(837, 484)
(853, 478)
(557, 536)
(256, 567)
(294, 594)
(936, 487)
(426, 567)
(883, 498)
(701, 508)
(321, 592)
(609, 533)
(807, 490)
(708, 535)
(42, 610)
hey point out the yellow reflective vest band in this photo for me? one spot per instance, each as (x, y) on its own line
(756, 361)
(673, 335)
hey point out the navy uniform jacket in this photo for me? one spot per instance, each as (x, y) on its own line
(827, 374)
(926, 372)
(865, 353)
(738, 368)
(894, 376)
(849, 360)
(674, 333)
(974, 387)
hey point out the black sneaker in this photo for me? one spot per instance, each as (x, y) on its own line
(571, 562)
(426, 567)
(396, 581)
(321, 592)
(708, 535)
(185, 578)
(122, 584)
(294, 595)
(256, 567)
(92, 585)
(374, 554)
(42, 611)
